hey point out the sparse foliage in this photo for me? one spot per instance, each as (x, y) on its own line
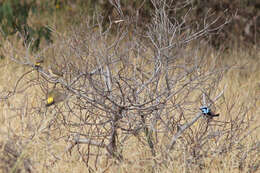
(142, 84)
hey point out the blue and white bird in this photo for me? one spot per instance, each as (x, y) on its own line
(206, 111)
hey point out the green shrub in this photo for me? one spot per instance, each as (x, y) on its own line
(13, 19)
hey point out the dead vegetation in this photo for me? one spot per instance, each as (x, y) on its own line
(132, 102)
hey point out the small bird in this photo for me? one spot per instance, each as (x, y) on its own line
(206, 111)
(55, 96)
(38, 62)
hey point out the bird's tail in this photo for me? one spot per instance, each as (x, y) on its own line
(216, 115)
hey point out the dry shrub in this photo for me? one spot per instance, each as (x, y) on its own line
(133, 99)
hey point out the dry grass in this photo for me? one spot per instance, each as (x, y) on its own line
(19, 120)
(25, 124)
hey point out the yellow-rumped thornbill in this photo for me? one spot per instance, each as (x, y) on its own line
(38, 62)
(55, 96)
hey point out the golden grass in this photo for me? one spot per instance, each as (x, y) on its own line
(243, 85)
(25, 126)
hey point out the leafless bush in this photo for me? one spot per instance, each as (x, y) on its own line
(134, 83)
(12, 158)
